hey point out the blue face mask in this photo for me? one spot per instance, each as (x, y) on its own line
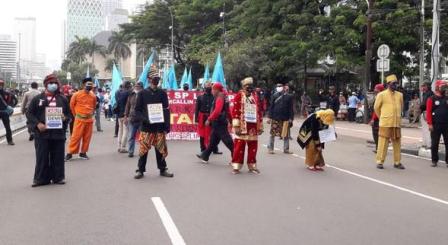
(52, 87)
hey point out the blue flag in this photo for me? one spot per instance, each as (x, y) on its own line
(97, 83)
(206, 74)
(190, 80)
(172, 78)
(165, 79)
(218, 72)
(184, 77)
(144, 76)
(116, 81)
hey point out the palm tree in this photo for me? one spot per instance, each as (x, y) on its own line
(109, 65)
(118, 46)
(94, 48)
(78, 49)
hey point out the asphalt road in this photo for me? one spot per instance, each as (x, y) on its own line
(350, 203)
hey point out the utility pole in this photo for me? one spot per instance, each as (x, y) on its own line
(422, 49)
(367, 78)
(223, 16)
(435, 47)
(172, 34)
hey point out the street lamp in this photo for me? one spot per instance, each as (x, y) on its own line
(172, 34)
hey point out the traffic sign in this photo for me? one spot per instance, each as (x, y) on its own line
(383, 51)
(69, 76)
(382, 65)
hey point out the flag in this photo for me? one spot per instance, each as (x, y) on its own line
(165, 79)
(144, 76)
(172, 78)
(97, 83)
(190, 80)
(116, 81)
(184, 78)
(218, 72)
(206, 74)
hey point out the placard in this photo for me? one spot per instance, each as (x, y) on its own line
(53, 117)
(323, 105)
(250, 113)
(327, 135)
(155, 113)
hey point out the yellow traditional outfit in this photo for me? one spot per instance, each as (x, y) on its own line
(389, 106)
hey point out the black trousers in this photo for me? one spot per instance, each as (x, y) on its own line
(219, 133)
(161, 163)
(203, 147)
(116, 125)
(439, 130)
(351, 114)
(6, 123)
(49, 160)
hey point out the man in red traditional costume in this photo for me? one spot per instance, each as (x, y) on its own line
(247, 123)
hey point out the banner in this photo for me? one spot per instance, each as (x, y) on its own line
(182, 107)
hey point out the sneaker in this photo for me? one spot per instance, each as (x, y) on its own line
(399, 166)
(254, 171)
(271, 152)
(288, 152)
(122, 151)
(31, 138)
(201, 158)
(83, 156)
(11, 143)
(379, 166)
(434, 164)
(138, 175)
(100, 130)
(59, 182)
(131, 155)
(36, 184)
(167, 174)
(235, 171)
(68, 157)
(217, 153)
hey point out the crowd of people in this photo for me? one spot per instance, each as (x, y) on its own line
(143, 115)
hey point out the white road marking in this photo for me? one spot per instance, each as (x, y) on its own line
(370, 132)
(170, 227)
(21, 131)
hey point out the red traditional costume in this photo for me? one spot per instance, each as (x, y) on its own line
(247, 122)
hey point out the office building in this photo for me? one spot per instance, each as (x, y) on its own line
(8, 54)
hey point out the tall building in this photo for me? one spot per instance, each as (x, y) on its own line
(110, 5)
(85, 18)
(8, 54)
(25, 36)
(117, 17)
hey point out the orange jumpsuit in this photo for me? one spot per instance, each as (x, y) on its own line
(82, 106)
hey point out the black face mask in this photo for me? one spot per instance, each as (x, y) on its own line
(208, 90)
(443, 89)
(393, 86)
(88, 88)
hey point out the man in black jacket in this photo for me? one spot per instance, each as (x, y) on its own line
(48, 115)
(281, 116)
(6, 99)
(152, 109)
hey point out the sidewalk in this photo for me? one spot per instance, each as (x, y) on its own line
(18, 122)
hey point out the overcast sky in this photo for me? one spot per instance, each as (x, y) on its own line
(49, 15)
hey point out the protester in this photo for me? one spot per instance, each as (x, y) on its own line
(82, 106)
(353, 102)
(375, 121)
(99, 102)
(49, 139)
(426, 93)
(204, 104)
(106, 105)
(247, 124)
(437, 117)
(6, 110)
(306, 102)
(333, 100)
(33, 92)
(69, 99)
(219, 121)
(342, 113)
(281, 117)
(309, 138)
(121, 98)
(388, 107)
(130, 118)
(323, 99)
(414, 109)
(186, 87)
(155, 125)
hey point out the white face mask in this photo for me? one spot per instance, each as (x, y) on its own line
(279, 89)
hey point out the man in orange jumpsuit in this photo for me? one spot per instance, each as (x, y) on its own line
(82, 105)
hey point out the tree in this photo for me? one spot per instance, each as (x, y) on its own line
(118, 46)
(78, 49)
(94, 48)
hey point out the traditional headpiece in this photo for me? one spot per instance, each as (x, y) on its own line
(440, 83)
(326, 116)
(218, 86)
(247, 81)
(153, 72)
(50, 78)
(87, 79)
(391, 78)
